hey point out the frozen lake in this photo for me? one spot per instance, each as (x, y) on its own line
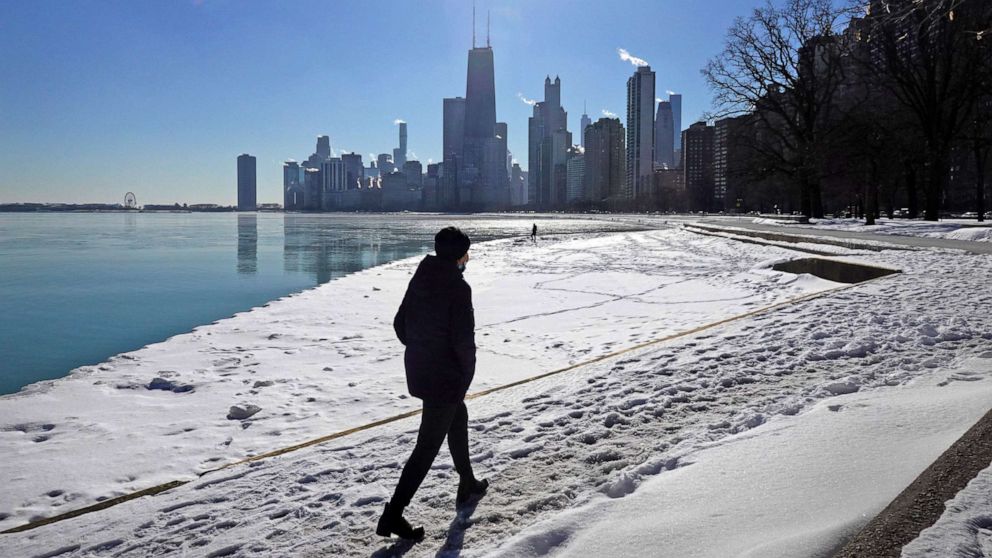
(77, 288)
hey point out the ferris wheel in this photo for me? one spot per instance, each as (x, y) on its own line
(130, 202)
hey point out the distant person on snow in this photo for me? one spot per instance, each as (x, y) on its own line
(533, 232)
(436, 323)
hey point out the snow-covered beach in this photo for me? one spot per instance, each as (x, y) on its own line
(560, 450)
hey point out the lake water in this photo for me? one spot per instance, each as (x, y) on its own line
(77, 288)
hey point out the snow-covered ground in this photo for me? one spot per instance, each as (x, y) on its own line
(326, 359)
(956, 229)
(791, 488)
(965, 528)
(573, 454)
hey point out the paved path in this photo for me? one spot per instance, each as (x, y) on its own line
(911, 241)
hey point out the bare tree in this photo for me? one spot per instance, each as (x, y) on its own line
(783, 64)
(930, 57)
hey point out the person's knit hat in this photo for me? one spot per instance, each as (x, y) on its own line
(450, 243)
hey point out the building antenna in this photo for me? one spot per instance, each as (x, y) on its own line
(583, 106)
(487, 29)
(473, 24)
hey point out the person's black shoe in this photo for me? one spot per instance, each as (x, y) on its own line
(470, 489)
(393, 523)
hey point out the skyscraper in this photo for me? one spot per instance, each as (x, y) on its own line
(664, 134)
(480, 120)
(246, 183)
(548, 141)
(453, 151)
(698, 165)
(399, 154)
(676, 101)
(575, 174)
(731, 145)
(640, 132)
(311, 190)
(414, 173)
(454, 127)
(385, 164)
(584, 123)
(292, 190)
(333, 182)
(354, 170)
(324, 146)
(322, 153)
(479, 177)
(605, 159)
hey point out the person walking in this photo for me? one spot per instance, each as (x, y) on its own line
(533, 233)
(435, 322)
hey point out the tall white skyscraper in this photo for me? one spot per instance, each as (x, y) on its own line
(399, 154)
(640, 132)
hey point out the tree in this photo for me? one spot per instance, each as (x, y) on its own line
(930, 56)
(784, 65)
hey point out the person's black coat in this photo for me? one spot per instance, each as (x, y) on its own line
(436, 323)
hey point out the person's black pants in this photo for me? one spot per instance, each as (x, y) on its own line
(435, 424)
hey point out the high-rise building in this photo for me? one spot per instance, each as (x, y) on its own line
(640, 132)
(675, 99)
(246, 183)
(385, 164)
(292, 189)
(414, 173)
(575, 174)
(548, 141)
(453, 143)
(399, 154)
(664, 134)
(502, 134)
(475, 166)
(354, 170)
(333, 175)
(584, 123)
(324, 147)
(454, 128)
(311, 190)
(730, 152)
(518, 186)
(697, 162)
(605, 161)
(333, 182)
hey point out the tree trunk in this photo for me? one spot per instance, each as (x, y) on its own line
(936, 172)
(980, 155)
(805, 200)
(911, 201)
(871, 191)
(816, 200)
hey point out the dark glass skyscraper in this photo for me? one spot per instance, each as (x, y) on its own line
(664, 136)
(246, 183)
(475, 169)
(640, 133)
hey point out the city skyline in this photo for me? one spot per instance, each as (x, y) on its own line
(199, 172)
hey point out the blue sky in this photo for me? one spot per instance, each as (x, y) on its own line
(159, 97)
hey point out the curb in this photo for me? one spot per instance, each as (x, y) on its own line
(922, 503)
